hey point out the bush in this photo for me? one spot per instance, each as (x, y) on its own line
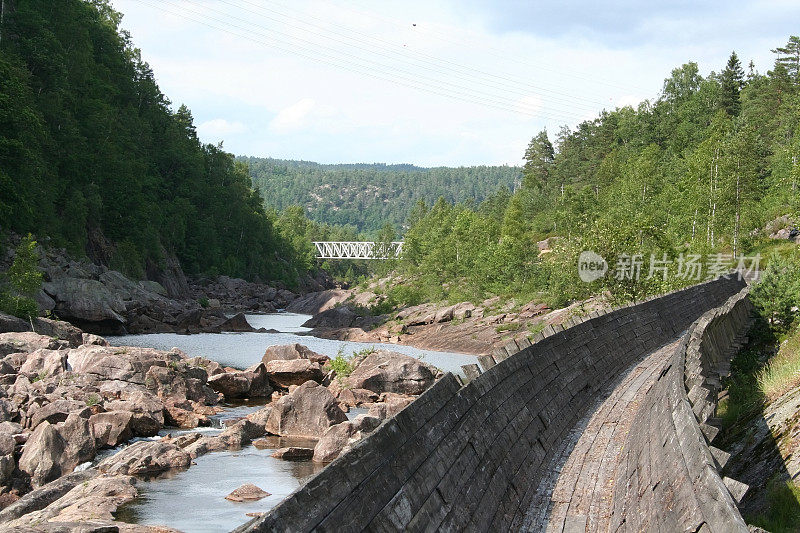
(777, 294)
(22, 281)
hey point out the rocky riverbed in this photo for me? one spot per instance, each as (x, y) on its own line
(82, 423)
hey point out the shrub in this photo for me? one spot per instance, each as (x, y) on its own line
(777, 294)
(23, 279)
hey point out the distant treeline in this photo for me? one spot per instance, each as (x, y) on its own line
(367, 196)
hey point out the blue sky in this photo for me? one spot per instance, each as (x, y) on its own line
(429, 83)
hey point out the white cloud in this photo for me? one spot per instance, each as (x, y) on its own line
(331, 101)
(219, 128)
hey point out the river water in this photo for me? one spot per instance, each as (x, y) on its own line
(193, 500)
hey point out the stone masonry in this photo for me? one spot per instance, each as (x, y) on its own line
(472, 456)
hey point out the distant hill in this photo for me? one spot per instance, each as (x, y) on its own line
(367, 196)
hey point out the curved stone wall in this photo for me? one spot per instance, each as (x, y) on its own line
(671, 478)
(470, 457)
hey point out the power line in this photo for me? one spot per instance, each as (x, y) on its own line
(381, 72)
(416, 77)
(444, 37)
(503, 82)
(357, 69)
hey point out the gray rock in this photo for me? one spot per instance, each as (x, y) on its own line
(307, 411)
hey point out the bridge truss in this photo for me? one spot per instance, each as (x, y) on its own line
(358, 250)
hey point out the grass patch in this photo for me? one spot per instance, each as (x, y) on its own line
(511, 326)
(782, 373)
(783, 500)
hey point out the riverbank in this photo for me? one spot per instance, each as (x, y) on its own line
(69, 406)
(358, 315)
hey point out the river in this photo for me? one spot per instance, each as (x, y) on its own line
(193, 500)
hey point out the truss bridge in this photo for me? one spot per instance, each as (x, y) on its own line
(358, 250)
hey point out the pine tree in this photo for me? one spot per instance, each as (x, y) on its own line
(789, 57)
(732, 80)
(539, 159)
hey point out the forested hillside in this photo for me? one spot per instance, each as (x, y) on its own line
(700, 170)
(94, 156)
(367, 196)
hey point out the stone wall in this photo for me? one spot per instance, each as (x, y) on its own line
(471, 456)
(671, 479)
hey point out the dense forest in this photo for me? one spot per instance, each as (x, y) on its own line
(702, 170)
(365, 197)
(95, 157)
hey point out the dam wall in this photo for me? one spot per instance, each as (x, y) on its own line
(472, 456)
(671, 475)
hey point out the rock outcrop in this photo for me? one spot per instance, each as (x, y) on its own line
(307, 411)
(384, 371)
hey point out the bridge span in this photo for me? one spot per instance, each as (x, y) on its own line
(358, 249)
(604, 424)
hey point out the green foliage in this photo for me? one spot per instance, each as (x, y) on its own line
(777, 294)
(367, 196)
(698, 171)
(341, 366)
(22, 281)
(203, 301)
(783, 508)
(90, 149)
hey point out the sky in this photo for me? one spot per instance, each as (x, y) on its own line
(445, 83)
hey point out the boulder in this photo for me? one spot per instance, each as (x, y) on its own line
(385, 371)
(91, 502)
(9, 323)
(292, 351)
(59, 329)
(390, 406)
(146, 457)
(293, 453)
(41, 455)
(54, 412)
(97, 340)
(80, 443)
(181, 414)
(28, 341)
(338, 317)
(237, 322)
(111, 428)
(45, 363)
(306, 412)
(85, 300)
(122, 363)
(253, 382)
(7, 461)
(147, 409)
(247, 493)
(283, 373)
(340, 437)
(261, 416)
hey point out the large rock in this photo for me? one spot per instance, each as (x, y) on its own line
(146, 457)
(338, 317)
(385, 371)
(237, 322)
(28, 341)
(305, 412)
(147, 409)
(80, 443)
(123, 363)
(59, 329)
(85, 300)
(252, 382)
(283, 374)
(88, 503)
(292, 351)
(247, 493)
(9, 323)
(112, 428)
(41, 457)
(7, 461)
(45, 363)
(53, 412)
(390, 406)
(340, 437)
